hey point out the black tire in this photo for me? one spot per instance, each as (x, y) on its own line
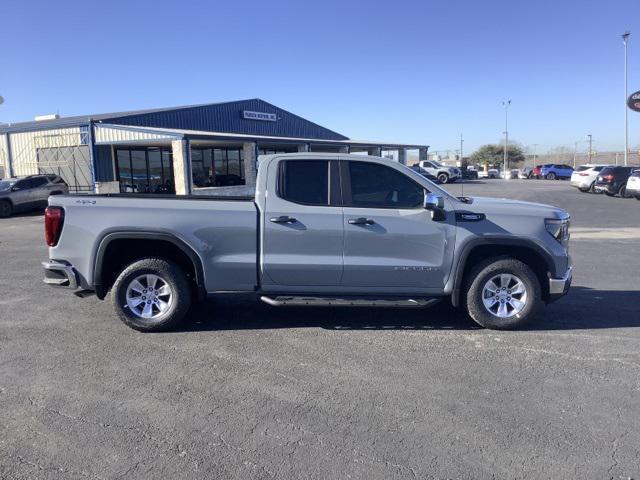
(443, 178)
(623, 192)
(482, 273)
(638, 197)
(609, 194)
(585, 190)
(172, 275)
(551, 176)
(6, 208)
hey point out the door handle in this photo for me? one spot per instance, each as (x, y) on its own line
(361, 221)
(283, 219)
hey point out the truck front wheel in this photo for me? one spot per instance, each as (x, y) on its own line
(502, 293)
(151, 294)
(443, 178)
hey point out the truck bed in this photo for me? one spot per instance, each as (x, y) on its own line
(222, 231)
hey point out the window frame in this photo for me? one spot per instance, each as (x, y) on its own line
(345, 182)
(334, 191)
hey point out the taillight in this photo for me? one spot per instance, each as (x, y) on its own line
(53, 220)
(583, 174)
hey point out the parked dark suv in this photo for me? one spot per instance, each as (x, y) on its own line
(613, 180)
(28, 193)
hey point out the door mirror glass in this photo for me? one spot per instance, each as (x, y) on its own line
(433, 202)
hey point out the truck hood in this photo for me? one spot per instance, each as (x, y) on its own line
(488, 206)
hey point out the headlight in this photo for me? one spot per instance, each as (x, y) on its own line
(558, 228)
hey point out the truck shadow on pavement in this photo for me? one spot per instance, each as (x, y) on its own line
(583, 308)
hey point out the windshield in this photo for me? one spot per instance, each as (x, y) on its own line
(6, 184)
(437, 164)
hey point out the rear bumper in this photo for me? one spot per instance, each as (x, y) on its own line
(581, 183)
(559, 287)
(606, 187)
(58, 274)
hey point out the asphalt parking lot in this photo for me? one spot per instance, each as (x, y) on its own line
(249, 391)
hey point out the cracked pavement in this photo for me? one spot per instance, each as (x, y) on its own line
(248, 391)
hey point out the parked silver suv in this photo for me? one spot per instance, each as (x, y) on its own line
(28, 193)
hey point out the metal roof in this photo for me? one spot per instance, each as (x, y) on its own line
(200, 134)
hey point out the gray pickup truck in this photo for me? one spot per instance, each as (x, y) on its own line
(321, 229)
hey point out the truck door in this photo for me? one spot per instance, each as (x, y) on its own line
(302, 225)
(391, 242)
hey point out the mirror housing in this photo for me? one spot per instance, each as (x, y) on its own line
(433, 202)
(14, 189)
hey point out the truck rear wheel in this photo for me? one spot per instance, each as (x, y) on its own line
(502, 293)
(6, 209)
(151, 294)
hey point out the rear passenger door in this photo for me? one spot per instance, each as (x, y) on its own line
(302, 226)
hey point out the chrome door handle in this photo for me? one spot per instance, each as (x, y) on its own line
(361, 221)
(283, 219)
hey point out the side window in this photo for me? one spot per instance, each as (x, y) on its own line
(379, 186)
(22, 185)
(38, 182)
(304, 181)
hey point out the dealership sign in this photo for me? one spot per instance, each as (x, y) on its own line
(633, 102)
(265, 117)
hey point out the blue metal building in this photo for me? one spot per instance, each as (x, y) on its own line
(169, 150)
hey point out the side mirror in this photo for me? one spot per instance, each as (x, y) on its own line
(433, 202)
(15, 189)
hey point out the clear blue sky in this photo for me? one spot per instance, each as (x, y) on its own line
(406, 71)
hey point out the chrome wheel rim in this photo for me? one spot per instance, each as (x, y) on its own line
(149, 296)
(504, 295)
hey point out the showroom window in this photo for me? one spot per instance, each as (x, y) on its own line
(145, 170)
(217, 167)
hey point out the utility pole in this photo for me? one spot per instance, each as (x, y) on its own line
(461, 155)
(590, 151)
(575, 153)
(506, 136)
(625, 37)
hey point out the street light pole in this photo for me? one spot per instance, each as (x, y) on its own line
(461, 156)
(590, 138)
(625, 37)
(535, 146)
(506, 136)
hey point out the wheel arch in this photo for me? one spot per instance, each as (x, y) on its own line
(161, 244)
(527, 251)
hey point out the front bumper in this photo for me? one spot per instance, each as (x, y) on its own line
(58, 274)
(559, 287)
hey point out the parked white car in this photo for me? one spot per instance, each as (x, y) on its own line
(584, 177)
(633, 185)
(443, 173)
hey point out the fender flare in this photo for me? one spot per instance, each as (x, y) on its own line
(455, 281)
(146, 235)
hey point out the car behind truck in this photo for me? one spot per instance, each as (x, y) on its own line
(321, 229)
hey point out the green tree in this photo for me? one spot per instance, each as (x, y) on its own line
(491, 155)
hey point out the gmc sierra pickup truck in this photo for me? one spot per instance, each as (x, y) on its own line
(321, 229)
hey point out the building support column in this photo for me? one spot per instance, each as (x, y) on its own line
(402, 156)
(374, 151)
(343, 149)
(250, 155)
(181, 150)
(303, 147)
(422, 154)
(8, 158)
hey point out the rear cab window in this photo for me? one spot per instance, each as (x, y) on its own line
(304, 181)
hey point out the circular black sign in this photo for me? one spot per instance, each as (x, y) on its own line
(633, 102)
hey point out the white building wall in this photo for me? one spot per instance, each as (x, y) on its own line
(109, 135)
(24, 146)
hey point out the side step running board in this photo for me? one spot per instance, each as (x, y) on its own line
(300, 301)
